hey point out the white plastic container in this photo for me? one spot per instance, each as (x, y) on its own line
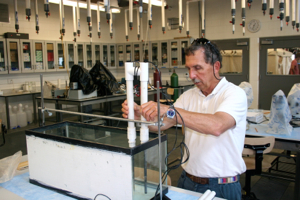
(28, 114)
(12, 119)
(22, 117)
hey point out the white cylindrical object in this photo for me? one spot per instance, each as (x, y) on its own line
(27, 3)
(130, 13)
(138, 28)
(203, 14)
(88, 8)
(78, 16)
(98, 15)
(271, 4)
(131, 131)
(187, 16)
(232, 4)
(60, 15)
(287, 8)
(63, 14)
(297, 11)
(126, 23)
(163, 13)
(293, 10)
(28, 114)
(36, 13)
(204, 195)
(22, 117)
(16, 13)
(211, 195)
(243, 3)
(74, 19)
(180, 13)
(264, 1)
(149, 10)
(36, 8)
(12, 118)
(144, 76)
(111, 24)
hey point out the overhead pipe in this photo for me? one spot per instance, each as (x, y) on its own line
(150, 14)
(89, 17)
(98, 19)
(107, 9)
(281, 15)
(131, 14)
(163, 16)
(16, 17)
(271, 7)
(187, 19)
(138, 28)
(138, 23)
(293, 13)
(60, 16)
(111, 25)
(203, 17)
(74, 23)
(287, 11)
(78, 18)
(28, 9)
(264, 6)
(297, 15)
(130, 71)
(243, 5)
(37, 28)
(63, 17)
(233, 15)
(141, 8)
(46, 8)
(126, 27)
(180, 15)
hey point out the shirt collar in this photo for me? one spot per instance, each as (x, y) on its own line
(219, 86)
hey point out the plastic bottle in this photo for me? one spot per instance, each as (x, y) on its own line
(12, 118)
(28, 114)
(22, 117)
(174, 84)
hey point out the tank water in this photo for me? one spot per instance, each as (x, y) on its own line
(22, 117)
(12, 118)
(28, 114)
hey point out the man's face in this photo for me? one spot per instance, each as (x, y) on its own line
(200, 72)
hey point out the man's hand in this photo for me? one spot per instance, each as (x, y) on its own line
(149, 110)
(125, 110)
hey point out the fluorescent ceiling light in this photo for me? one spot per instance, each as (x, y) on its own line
(155, 2)
(83, 5)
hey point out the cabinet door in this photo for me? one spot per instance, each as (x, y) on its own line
(128, 52)
(145, 52)
(174, 53)
(13, 56)
(61, 56)
(137, 52)
(121, 55)
(26, 56)
(70, 52)
(105, 55)
(96, 53)
(88, 53)
(183, 45)
(80, 54)
(3, 57)
(50, 55)
(39, 56)
(164, 54)
(112, 56)
(155, 59)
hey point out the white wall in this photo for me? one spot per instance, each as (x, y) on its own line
(218, 15)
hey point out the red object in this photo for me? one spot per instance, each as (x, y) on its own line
(157, 77)
(50, 56)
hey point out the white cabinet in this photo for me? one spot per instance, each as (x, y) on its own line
(137, 52)
(89, 57)
(184, 43)
(13, 56)
(145, 52)
(128, 52)
(108, 55)
(155, 52)
(50, 55)
(39, 58)
(3, 57)
(174, 51)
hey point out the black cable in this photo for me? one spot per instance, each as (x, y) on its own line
(102, 195)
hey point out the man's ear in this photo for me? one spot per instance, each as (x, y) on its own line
(217, 66)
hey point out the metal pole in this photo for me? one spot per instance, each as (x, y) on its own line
(159, 139)
(42, 100)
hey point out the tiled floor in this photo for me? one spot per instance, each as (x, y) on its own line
(264, 188)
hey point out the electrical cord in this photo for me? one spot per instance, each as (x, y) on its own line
(102, 195)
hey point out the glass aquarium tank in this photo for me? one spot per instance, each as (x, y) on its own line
(84, 160)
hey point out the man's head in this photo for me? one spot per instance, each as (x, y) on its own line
(203, 60)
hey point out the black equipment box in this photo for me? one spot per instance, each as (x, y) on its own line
(16, 35)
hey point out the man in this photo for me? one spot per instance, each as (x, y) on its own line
(294, 65)
(214, 113)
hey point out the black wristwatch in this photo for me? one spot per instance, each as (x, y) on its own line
(171, 113)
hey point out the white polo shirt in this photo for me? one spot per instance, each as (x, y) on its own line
(216, 156)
